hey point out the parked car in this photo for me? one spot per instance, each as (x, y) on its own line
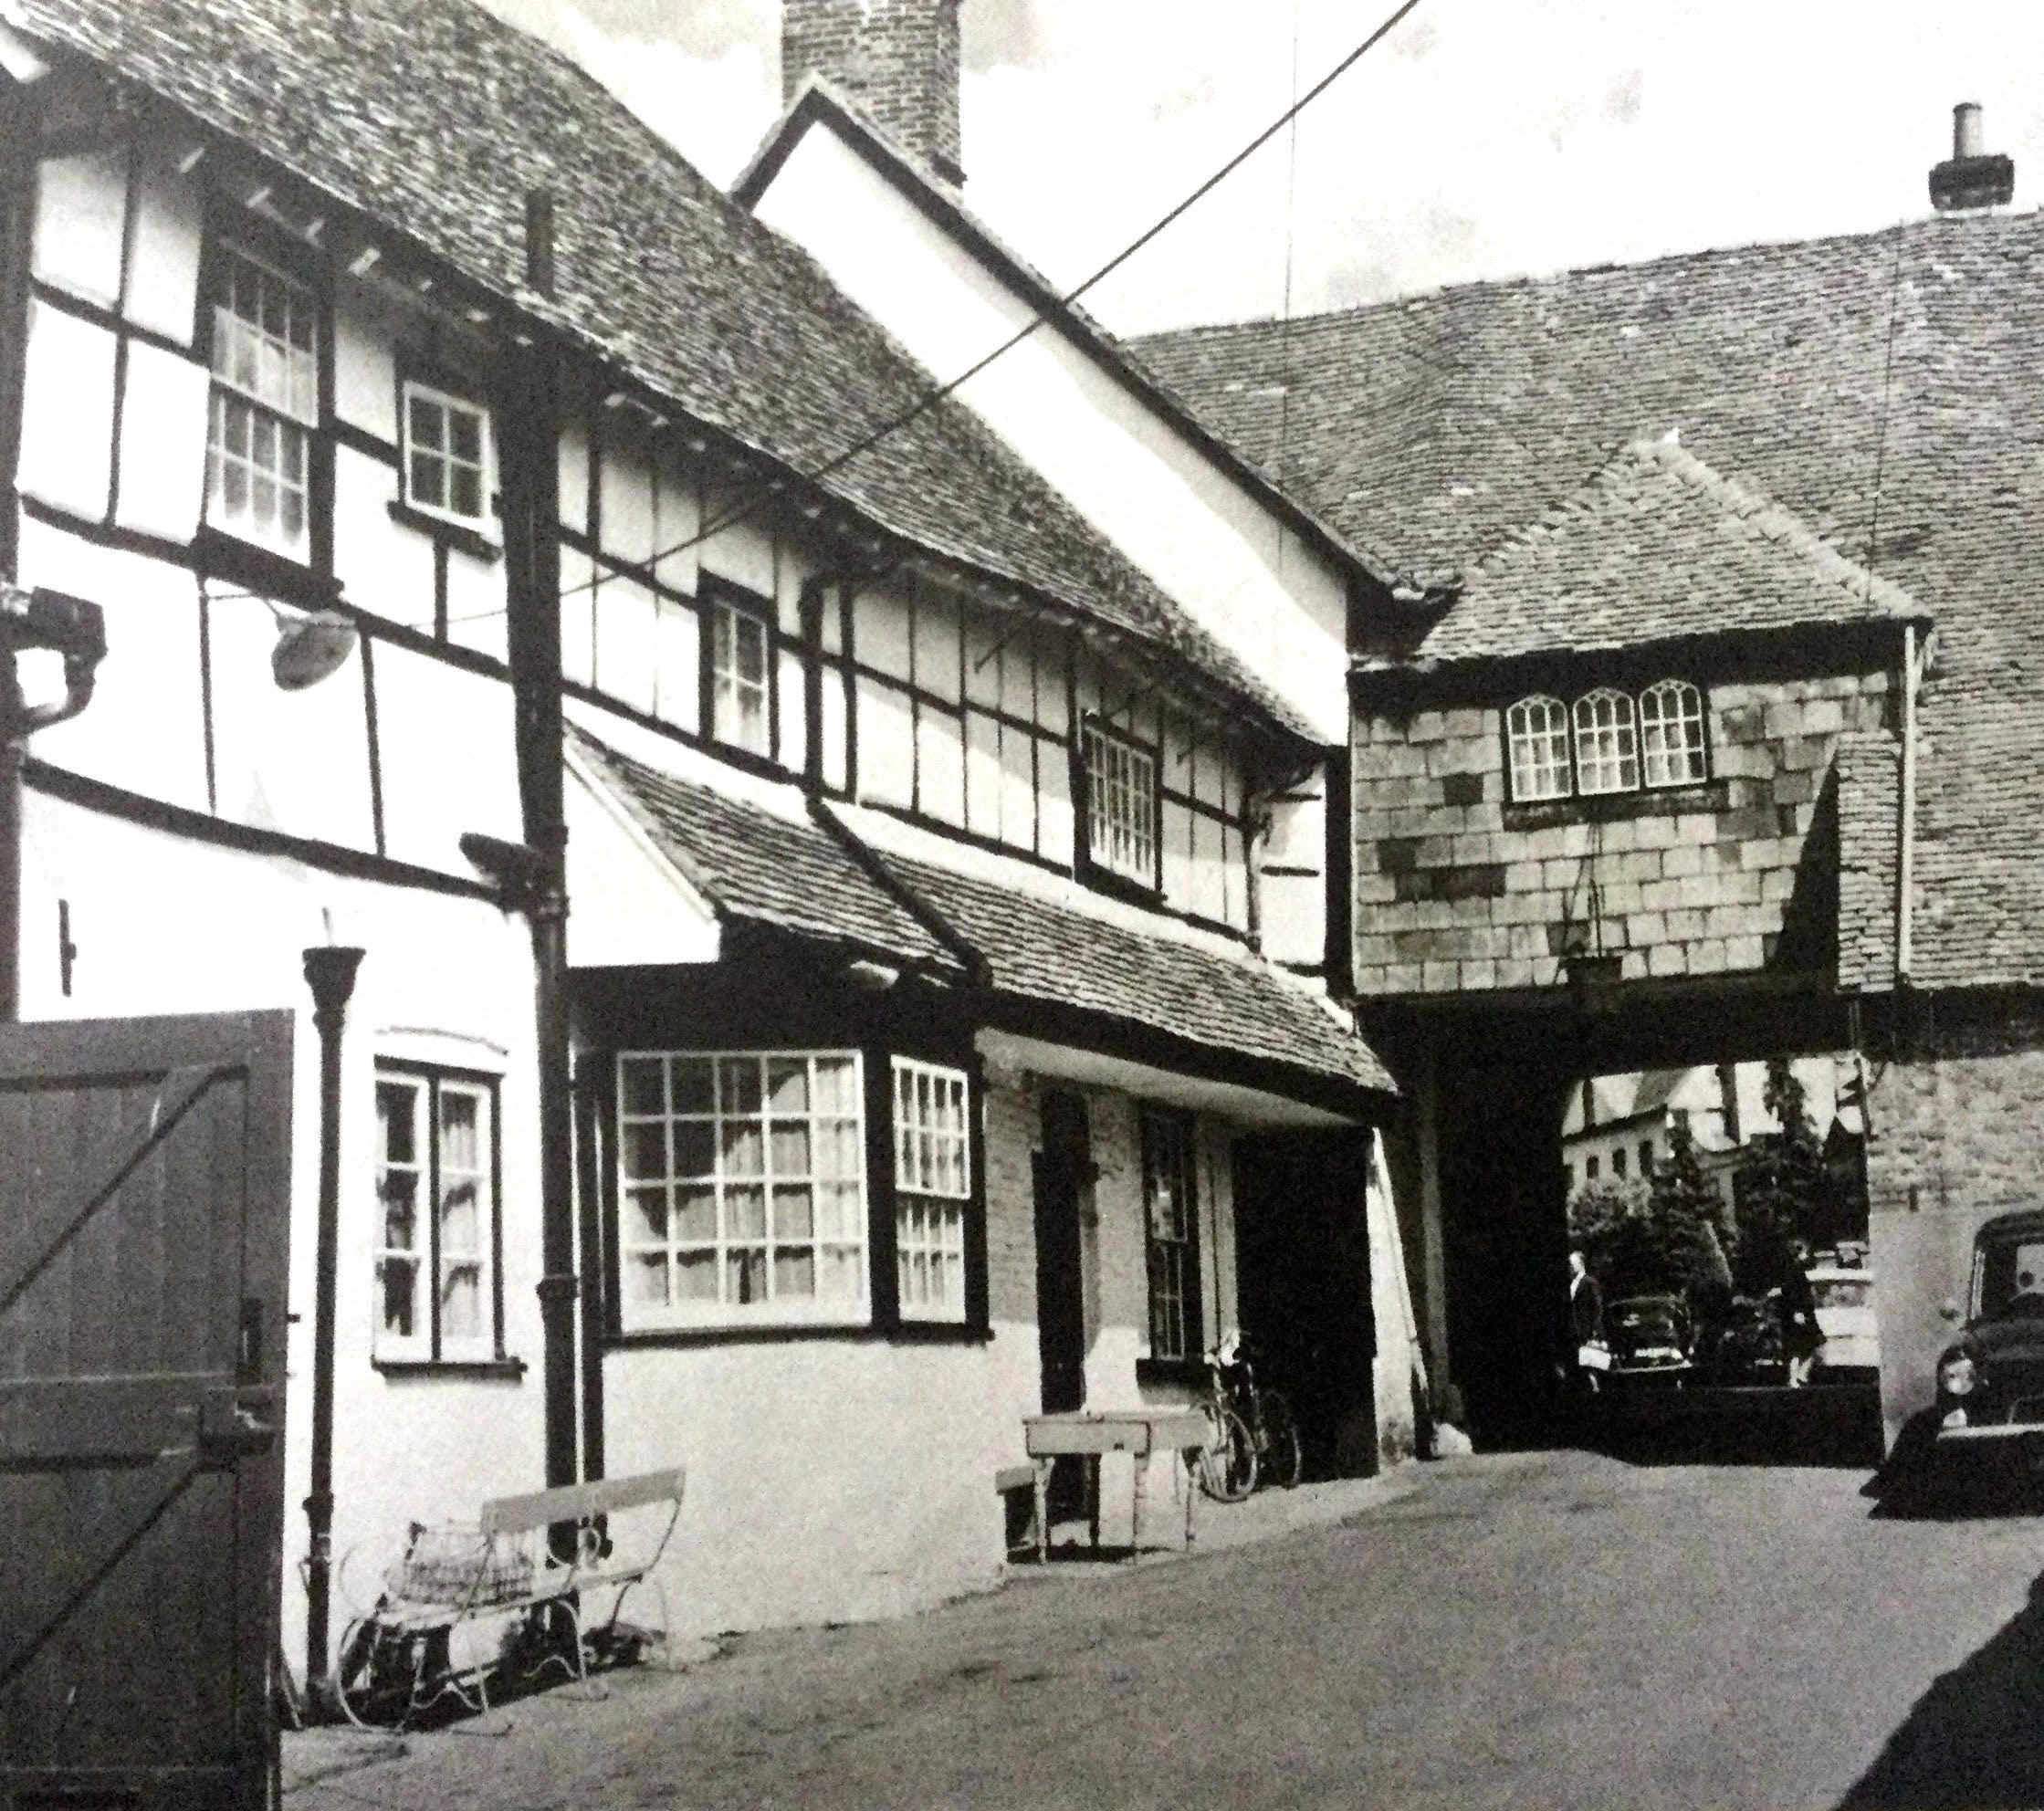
(1851, 1349)
(1649, 1339)
(1990, 1381)
(1743, 1349)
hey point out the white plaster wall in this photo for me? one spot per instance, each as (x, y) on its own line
(1218, 550)
(1399, 1363)
(165, 924)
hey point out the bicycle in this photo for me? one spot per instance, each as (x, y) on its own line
(1254, 1437)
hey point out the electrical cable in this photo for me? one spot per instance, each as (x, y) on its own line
(931, 398)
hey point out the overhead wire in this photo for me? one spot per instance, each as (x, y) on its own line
(931, 398)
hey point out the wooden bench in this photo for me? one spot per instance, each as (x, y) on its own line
(1087, 1435)
(535, 1558)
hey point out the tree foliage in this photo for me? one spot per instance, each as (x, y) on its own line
(1784, 1187)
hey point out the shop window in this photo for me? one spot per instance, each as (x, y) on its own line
(265, 403)
(1537, 730)
(933, 1186)
(1172, 1222)
(437, 1295)
(742, 1190)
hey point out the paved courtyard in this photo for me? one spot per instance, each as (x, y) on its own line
(1544, 1631)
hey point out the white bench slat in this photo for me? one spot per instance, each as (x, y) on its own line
(580, 1503)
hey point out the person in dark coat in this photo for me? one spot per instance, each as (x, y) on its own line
(1800, 1335)
(1586, 1316)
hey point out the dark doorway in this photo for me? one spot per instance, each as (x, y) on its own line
(1063, 1169)
(1301, 1244)
(142, 1232)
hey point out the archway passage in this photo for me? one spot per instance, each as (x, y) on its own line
(1486, 1089)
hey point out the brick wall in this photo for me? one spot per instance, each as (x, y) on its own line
(1459, 889)
(898, 58)
(1013, 1131)
(1956, 1135)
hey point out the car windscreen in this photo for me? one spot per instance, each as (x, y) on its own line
(2011, 1277)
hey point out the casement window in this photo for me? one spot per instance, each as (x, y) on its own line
(1591, 1169)
(437, 1236)
(1537, 731)
(1618, 1159)
(1671, 734)
(448, 457)
(265, 403)
(933, 1186)
(1171, 1219)
(1607, 750)
(742, 1190)
(1121, 804)
(741, 677)
(1646, 1157)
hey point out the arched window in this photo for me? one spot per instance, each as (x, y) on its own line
(1607, 750)
(1671, 733)
(1537, 731)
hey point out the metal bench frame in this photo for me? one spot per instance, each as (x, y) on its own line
(409, 1624)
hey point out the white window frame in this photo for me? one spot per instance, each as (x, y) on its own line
(732, 1248)
(933, 1187)
(287, 410)
(1539, 751)
(432, 1265)
(1122, 808)
(1672, 747)
(1175, 1248)
(450, 403)
(1607, 742)
(728, 685)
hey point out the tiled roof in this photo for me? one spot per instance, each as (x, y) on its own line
(1443, 426)
(1656, 546)
(798, 877)
(434, 119)
(751, 864)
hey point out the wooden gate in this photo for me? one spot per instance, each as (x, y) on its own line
(144, 1202)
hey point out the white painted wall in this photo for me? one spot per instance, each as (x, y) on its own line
(163, 924)
(1222, 553)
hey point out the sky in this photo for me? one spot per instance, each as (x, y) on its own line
(1482, 139)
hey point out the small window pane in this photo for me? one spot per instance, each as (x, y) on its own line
(1537, 731)
(1671, 734)
(1607, 759)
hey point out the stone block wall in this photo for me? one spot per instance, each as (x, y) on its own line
(1460, 889)
(1956, 1135)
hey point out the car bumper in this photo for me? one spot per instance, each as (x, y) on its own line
(1993, 1433)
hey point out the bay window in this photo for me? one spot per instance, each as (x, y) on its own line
(436, 1299)
(933, 1184)
(742, 1189)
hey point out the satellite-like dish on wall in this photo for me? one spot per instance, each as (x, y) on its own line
(309, 648)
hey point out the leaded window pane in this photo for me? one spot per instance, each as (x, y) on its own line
(1536, 730)
(1606, 754)
(1121, 805)
(1671, 734)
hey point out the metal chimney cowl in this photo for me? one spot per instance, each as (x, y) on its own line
(1971, 178)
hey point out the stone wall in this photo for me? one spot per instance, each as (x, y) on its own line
(1956, 1135)
(1460, 889)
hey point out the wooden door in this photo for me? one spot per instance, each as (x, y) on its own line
(1063, 1169)
(145, 1199)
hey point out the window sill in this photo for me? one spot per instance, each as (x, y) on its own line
(904, 1333)
(263, 569)
(1709, 795)
(1118, 886)
(471, 541)
(493, 1370)
(1190, 1372)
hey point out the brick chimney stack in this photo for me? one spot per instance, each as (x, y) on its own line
(1972, 177)
(897, 59)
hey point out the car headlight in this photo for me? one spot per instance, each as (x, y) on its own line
(1957, 1375)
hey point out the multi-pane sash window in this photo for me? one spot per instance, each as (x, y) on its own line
(1170, 1206)
(1606, 755)
(1537, 730)
(436, 1185)
(740, 689)
(1671, 733)
(446, 455)
(266, 402)
(933, 1183)
(1121, 805)
(741, 1188)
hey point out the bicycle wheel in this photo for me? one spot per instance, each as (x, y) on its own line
(1278, 1457)
(375, 1675)
(1228, 1461)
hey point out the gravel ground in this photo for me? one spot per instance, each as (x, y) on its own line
(1544, 1630)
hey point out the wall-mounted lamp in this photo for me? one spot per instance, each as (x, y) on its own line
(309, 648)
